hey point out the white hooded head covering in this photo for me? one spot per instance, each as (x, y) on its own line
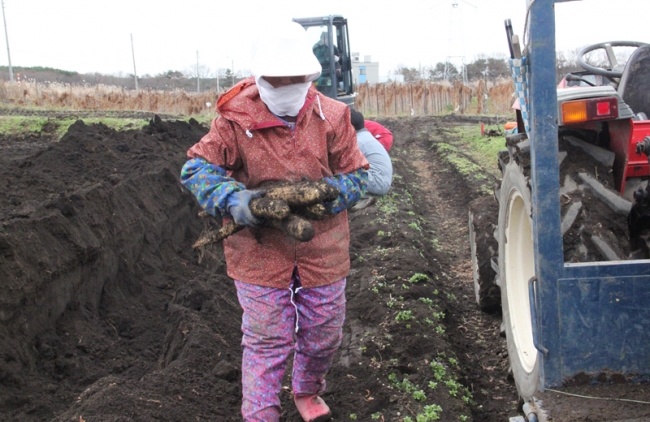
(284, 50)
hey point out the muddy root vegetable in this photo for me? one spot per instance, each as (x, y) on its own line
(294, 226)
(276, 213)
(217, 236)
(313, 212)
(330, 193)
(269, 208)
(299, 194)
(304, 193)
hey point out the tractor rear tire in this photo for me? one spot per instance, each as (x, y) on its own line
(594, 229)
(516, 268)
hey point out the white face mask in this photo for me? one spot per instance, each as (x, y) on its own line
(285, 100)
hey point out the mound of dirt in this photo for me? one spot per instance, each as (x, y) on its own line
(109, 315)
(93, 238)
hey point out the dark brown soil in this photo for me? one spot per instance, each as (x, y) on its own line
(107, 315)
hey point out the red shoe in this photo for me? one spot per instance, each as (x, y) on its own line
(313, 409)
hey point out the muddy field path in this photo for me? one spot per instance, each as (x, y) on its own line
(411, 309)
(109, 315)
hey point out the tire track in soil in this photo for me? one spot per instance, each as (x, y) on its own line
(390, 242)
(486, 366)
(476, 337)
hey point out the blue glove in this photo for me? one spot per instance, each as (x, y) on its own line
(237, 207)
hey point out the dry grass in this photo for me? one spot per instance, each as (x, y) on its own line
(501, 98)
(426, 98)
(389, 99)
(104, 97)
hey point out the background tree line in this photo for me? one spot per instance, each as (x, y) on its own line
(208, 79)
(493, 68)
(202, 78)
(483, 67)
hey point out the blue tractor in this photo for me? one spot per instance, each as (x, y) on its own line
(575, 300)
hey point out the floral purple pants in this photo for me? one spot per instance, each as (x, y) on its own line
(273, 327)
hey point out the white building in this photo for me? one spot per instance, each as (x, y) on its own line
(364, 71)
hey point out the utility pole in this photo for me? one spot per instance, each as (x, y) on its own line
(218, 75)
(233, 71)
(198, 80)
(11, 71)
(135, 74)
(457, 50)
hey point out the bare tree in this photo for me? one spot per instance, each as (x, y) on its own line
(201, 72)
(488, 68)
(411, 75)
(437, 73)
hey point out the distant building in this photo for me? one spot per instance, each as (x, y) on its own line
(364, 71)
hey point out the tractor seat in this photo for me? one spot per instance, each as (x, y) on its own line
(634, 87)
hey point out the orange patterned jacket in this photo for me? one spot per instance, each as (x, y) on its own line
(254, 147)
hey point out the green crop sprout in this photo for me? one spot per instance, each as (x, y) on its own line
(419, 395)
(404, 315)
(438, 369)
(431, 413)
(453, 387)
(419, 278)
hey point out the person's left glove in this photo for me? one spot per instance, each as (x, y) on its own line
(237, 207)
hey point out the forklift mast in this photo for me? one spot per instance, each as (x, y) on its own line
(331, 46)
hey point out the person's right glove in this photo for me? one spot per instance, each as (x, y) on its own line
(237, 207)
(351, 187)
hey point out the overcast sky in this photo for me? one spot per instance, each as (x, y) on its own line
(95, 35)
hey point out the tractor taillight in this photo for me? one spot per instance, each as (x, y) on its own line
(603, 108)
(589, 110)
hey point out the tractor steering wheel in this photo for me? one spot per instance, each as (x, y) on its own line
(611, 57)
